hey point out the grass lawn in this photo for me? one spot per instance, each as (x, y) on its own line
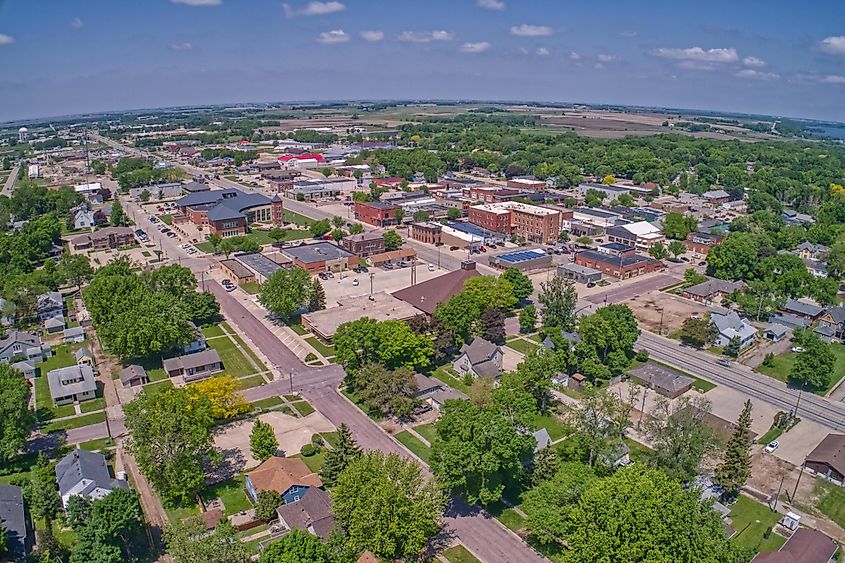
(158, 387)
(167, 219)
(231, 492)
(304, 407)
(251, 287)
(427, 431)
(179, 513)
(639, 452)
(298, 329)
(76, 422)
(44, 403)
(315, 343)
(832, 501)
(97, 404)
(702, 385)
(413, 443)
(354, 398)
(521, 346)
(459, 554)
(251, 381)
(267, 403)
(555, 426)
(783, 366)
(447, 376)
(297, 219)
(330, 437)
(750, 519)
(772, 434)
(250, 351)
(95, 445)
(507, 516)
(212, 331)
(62, 357)
(206, 247)
(314, 462)
(234, 362)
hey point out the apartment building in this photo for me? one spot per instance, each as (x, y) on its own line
(529, 222)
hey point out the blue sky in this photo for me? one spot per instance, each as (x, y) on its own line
(775, 57)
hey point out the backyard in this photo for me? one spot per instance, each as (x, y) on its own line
(783, 363)
(751, 520)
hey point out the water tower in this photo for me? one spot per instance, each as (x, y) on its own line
(23, 134)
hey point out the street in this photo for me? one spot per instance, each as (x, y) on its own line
(10, 181)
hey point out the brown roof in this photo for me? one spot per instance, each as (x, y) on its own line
(210, 518)
(281, 473)
(367, 557)
(238, 270)
(831, 451)
(805, 546)
(312, 512)
(393, 255)
(426, 295)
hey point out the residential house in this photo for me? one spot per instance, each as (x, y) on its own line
(776, 332)
(790, 321)
(809, 251)
(817, 268)
(541, 439)
(792, 217)
(55, 324)
(711, 290)
(84, 357)
(426, 295)
(288, 476)
(311, 513)
(802, 309)
(666, 381)
(364, 244)
(194, 367)
(85, 474)
(133, 375)
(481, 358)
(18, 344)
(730, 325)
(26, 367)
(803, 546)
(84, 217)
(15, 519)
(834, 317)
(104, 239)
(72, 384)
(198, 344)
(74, 335)
(49, 305)
(828, 458)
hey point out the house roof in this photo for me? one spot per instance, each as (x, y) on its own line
(804, 546)
(777, 329)
(82, 353)
(661, 377)
(84, 373)
(426, 295)
(24, 366)
(365, 236)
(237, 268)
(26, 339)
(641, 228)
(606, 258)
(13, 517)
(312, 512)
(129, 373)
(830, 451)
(281, 473)
(188, 361)
(391, 255)
(712, 286)
(73, 331)
(84, 465)
(426, 384)
(715, 194)
(480, 350)
(56, 321)
(318, 252)
(836, 313)
(541, 439)
(802, 308)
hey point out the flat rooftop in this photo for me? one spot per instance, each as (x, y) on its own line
(258, 262)
(521, 256)
(382, 307)
(319, 252)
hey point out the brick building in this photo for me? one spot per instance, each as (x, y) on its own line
(364, 244)
(701, 243)
(527, 184)
(228, 212)
(491, 217)
(622, 266)
(427, 232)
(321, 257)
(529, 222)
(376, 213)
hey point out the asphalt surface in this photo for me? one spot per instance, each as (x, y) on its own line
(10, 181)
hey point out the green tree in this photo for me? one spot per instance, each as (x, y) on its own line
(453, 214)
(677, 226)
(522, 285)
(420, 216)
(118, 216)
(527, 318)
(390, 343)
(41, 493)
(109, 526)
(658, 251)
(492, 325)
(277, 234)
(15, 417)
(814, 365)
(201, 306)
(76, 268)
(339, 456)
(98, 167)
(285, 292)
(338, 234)
(734, 347)
(692, 277)
(388, 392)
(356, 229)
(320, 228)
(298, 546)
(226, 247)
(600, 419)
(188, 542)
(545, 465)
(214, 240)
(145, 196)
(676, 248)
(268, 502)
(697, 332)
(680, 436)
(398, 215)
(608, 336)
(338, 221)
(551, 504)
(171, 440)
(386, 505)
(262, 441)
(558, 299)
(4, 540)
(316, 296)
(735, 468)
(491, 291)
(392, 240)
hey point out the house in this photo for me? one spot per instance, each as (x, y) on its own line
(321, 257)
(72, 384)
(312, 513)
(716, 197)
(194, 366)
(85, 474)
(108, 238)
(27, 368)
(804, 546)
(828, 458)
(50, 305)
(364, 244)
(426, 387)
(700, 243)
(17, 344)
(426, 295)
(713, 289)
(20, 534)
(74, 334)
(834, 317)
(288, 476)
(54, 324)
(775, 332)
(198, 344)
(665, 381)
(579, 274)
(481, 358)
(801, 309)
(541, 439)
(826, 333)
(730, 325)
(790, 321)
(576, 381)
(377, 213)
(809, 251)
(817, 268)
(85, 218)
(84, 357)
(133, 375)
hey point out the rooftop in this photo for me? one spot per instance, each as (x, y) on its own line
(259, 262)
(426, 295)
(57, 378)
(661, 377)
(317, 252)
(189, 361)
(521, 256)
(606, 258)
(281, 473)
(382, 307)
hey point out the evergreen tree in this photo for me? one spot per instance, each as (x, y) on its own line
(546, 464)
(736, 464)
(339, 457)
(317, 298)
(493, 324)
(733, 348)
(268, 502)
(118, 216)
(262, 441)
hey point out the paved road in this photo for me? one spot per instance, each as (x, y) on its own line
(10, 181)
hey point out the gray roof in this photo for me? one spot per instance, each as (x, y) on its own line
(731, 324)
(825, 330)
(365, 236)
(83, 353)
(542, 439)
(836, 313)
(57, 376)
(661, 377)
(815, 248)
(789, 320)
(131, 372)
(426, 384)
(777, 329)
(82, 464)
(715, 194)
(259, 262)
(480, 350)
(578, 269)
(24, 366)
(188, 361)
(26, 339)
(802, 308)
(55, 321)
(318, 252)
(230, 203)
(313, 512)
(13, 517)
(74, 331)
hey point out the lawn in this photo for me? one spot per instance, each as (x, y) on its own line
(158, 387)
(832, 501)
(507, 516)
(459, 554)
(330, 437)
(751, 519)
(445, 374)
(639, 452)
(413, 443)
(314, 462)
(772, 434)
(250, 351)
(553, 424)
(427, 431)
(297, 219)
(97, 404)
(231, 492)
(251, 287)
(251, 381)
(354, 398)
(62, 357)
(167, 219)
(304, 407)
(76, 422)
(267, 403)
(212, 331)
(179, 513)
(326, 351)
(234, 362)
(521, 346)
(95, 445)
(783, 367)
(298, 329)
(44, 403)
(702, 385)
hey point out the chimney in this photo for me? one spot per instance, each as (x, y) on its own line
(468, 265)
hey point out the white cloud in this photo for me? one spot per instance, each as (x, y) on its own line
(696, 65)
(314, 9)
(756, 74)
(628, 34)
(372, 35)
(492, 4)
(198, 2)
(832, 79)
(479, 47)
(542, 51)
(76, 23)
(425, 36)
(6, 39)
(606, 58)
(526, 30)
(332, 37)
(835, 45)
(754, 61)
(698, 54)
(182, 46)
(573, 56)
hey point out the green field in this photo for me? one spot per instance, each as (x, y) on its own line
(427, 431)
(97, 404)
(298, 329)
(314, 462)
(250, 351)
(212, 331)
(234, 362)
(507, 516)
(267, 403)
(751, 519)
(158, 387)
(459, 554)
(262, 238)
(297, 219)
(413, 443)
(251, 287)
(44, 403)
(303, 407)
(95, 445)
(783, 366)
(554, 425)
(231, 492)
(167, 219)
(831, 501)
(251, 381)
(314, 342)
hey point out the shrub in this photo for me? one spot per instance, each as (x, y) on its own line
(310, 357)
(642, 355)
(308, 450)
(317, 440)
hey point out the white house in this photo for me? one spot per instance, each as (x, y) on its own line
(730, 325)
(482, 358)
(83, 473)
(72, 384)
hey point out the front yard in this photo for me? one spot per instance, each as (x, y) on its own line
(783, 363)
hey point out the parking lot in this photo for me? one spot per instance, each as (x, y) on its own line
(342, 285)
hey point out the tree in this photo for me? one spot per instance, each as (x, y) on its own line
(285, 291)
(118, 216)
(188, 542)
(327, 171)
(420, 216)
(607, 337)
(493, 325)
(15, 417)
(522, 285)
(734, 347)
(388, 392)
(680, 436)
(262, 441)
(340, 456)
(527, 318)
(338, 234)
(277, 234)
(320, 228)
(4, 540)
(392, 240)
(676, 248)
(453, 214)
(735, 468)
(550, 505)
(558, 299)
(398, 215)
(390, 343)
(385, 504)
(480, 391)
(40, 492)
(171, 440)
(76, 268)
(814, 365)
(545, 465)
(268, 502)
(658, 251)
(478, 450)
(227, 247)
(145, 195)
(697, 332)
(677, 226)
(356, 229)
(106, 527)
(317, 296)
(222, 395)
(692, 277)
(600, 418)
(201, 306)
(338, 221)
(298, 546)
(214, 240)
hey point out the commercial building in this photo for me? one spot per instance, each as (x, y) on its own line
(528, 222)
(623, 267)
(580, 274)
(601, 218)
(527, 184)
(666, 381)
(321, 257)
(313, 189)
(427, 232)
(379, 306)
(393, 256)
(364, 244)
(228, 212)
(523, 260)
(426, 295)
(377, 213)
(712, 289)
(701, 243)
(716, 197)
(642, 234)
(609, 191)
(476, 233)
(491, 217)
(236, 272)
(262, 265)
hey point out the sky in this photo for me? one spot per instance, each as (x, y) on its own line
(775, 57)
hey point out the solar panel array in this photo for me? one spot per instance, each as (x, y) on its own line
(520, 256)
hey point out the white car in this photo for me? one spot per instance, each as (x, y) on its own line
(771, 446)
(797, 349)
(355, 281)
(431, 267)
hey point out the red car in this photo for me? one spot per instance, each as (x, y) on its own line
(483, 249)
(328, 237)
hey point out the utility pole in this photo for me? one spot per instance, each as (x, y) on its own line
(660, 332)
(798, 402)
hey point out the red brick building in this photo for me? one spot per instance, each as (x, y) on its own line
(427, 232)
(701, 243)
(622, 266)
(526, 184)
(490, 217)
(376, 213)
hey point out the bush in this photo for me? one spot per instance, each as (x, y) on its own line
(308, 450)
(310, 357)
(468, 379)
(642, 355)
(317, 440)
(769, 360)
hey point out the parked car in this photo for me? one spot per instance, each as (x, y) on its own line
(422, 409)
(723, 362)
(431, 267)
(438, 243)
(323, 276)
(355, 281)
(453, 248)
(703, 263)
(483, 249)
(229, 288)
(771, 446)
(591, 284)
(797, 349)
(331, 275)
